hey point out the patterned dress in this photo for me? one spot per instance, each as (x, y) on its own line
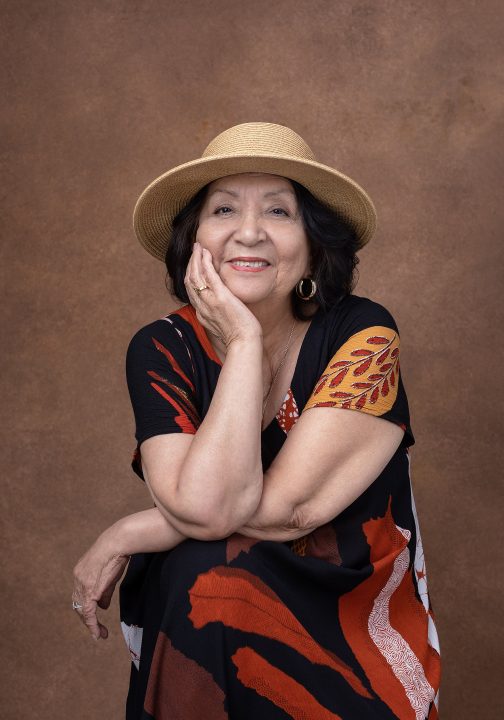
(335, 625)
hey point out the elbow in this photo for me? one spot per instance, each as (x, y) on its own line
(216, 527)
(210, 520)
(224, 521)
(212, 531)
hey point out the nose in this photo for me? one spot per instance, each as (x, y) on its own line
(250, 228)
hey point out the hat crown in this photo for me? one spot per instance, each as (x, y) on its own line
(259, 138)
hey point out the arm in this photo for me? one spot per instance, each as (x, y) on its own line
(215, 476)
(205, 484)
(310, 482)
(300, 494)
(333, 454)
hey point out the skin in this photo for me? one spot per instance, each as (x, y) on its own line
(254, 215)
(247, 318)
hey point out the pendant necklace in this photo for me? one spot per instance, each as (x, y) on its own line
(278, 370)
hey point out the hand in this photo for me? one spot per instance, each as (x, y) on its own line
(95, 577)
(217, 309)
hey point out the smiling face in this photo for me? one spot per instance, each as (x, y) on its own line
(252, 226)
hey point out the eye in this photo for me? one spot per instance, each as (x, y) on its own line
(279, 211)
(223, 210)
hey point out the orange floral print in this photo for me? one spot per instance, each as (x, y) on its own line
(362, 375)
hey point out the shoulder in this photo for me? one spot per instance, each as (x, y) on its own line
(161, 335)
(357, 308)
(179, 332)
(170, 325)
(356, 320)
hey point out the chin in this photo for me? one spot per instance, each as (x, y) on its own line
(247, 295)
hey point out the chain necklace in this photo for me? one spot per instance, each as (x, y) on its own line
(278, 369)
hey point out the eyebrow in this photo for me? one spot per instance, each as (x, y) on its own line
(280, 192)
(268, 194)
(223, 190)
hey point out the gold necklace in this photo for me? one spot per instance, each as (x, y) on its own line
(278, 369)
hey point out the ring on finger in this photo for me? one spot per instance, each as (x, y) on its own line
(76, 606)
(200, 289)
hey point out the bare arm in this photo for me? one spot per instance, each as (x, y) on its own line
(312, 481)
(204, 484)
(215, 477)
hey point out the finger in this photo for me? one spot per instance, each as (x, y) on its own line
(208, 267)
(192, 277)
(197, 274)
(208, 273)
(88, 615)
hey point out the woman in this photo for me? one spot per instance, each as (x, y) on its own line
(280, 573)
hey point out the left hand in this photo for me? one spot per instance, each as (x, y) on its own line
(95, 577)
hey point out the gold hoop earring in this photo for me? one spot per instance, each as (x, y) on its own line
(299, 288)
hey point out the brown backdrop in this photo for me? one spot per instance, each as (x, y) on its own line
(100, 98)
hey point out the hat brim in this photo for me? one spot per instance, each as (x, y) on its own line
(163, 199)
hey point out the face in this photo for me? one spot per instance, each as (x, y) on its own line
(252, 226)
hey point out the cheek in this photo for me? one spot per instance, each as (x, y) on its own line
(213, 242)
(294, 261)
(209, 238)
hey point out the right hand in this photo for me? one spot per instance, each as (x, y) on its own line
(95, 577)
(217, 308)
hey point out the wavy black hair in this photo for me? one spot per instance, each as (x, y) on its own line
(333, 248)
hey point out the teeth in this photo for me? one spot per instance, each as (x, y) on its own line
(245, 263)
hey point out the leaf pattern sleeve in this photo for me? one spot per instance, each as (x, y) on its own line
(363, 372)
(161, 384)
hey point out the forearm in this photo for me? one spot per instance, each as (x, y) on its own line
(221, 477)
(145, 531)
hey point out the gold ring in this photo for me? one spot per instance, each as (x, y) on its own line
(198, 290)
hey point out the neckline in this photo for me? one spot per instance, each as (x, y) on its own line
(205, 341)
(297, 369)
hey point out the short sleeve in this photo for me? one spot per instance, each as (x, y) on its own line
(363, 372)
(161, 384)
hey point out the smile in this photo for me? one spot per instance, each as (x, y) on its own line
(249, 265)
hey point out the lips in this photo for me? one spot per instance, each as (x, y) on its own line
(249, 265)
(249, 259)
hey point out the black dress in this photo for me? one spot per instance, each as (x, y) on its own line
(337, 624)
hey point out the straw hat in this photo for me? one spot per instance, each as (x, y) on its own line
(250, 147)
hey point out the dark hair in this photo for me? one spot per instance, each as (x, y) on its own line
(333, 250)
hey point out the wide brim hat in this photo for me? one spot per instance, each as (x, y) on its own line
(249, 147)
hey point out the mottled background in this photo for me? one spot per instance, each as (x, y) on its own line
(101, 97)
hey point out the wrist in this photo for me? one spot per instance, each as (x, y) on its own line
(116, 539)
(252, 342)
